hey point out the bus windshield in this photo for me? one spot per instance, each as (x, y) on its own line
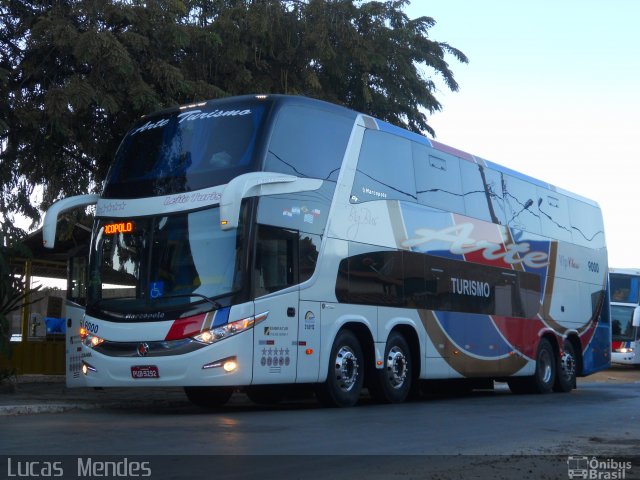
(624, 288)
(157, 263)
(621, 323)
(185, 151)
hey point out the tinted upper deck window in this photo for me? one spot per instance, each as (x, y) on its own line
(385, 169)
(186, 150)
(309, 142)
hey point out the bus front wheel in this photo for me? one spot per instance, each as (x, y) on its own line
(345, 374)
(208, 397)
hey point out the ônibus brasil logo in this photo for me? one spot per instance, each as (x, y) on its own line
(594, 468)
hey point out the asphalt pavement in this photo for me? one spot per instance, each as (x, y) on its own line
(30, 394)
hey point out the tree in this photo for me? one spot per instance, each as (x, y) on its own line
(14, 292)
(75, 74)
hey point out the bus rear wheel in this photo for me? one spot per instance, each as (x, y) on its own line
(345, 375)
(566, 371)
(208, 397)
(392, 383)
(543, 379)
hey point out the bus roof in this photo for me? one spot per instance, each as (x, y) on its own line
(386, 127)
(626, 271)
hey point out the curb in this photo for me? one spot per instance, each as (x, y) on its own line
(12, 410)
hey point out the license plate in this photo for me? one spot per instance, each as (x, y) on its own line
(145, 371)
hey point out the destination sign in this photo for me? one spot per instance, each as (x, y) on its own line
(119, 227)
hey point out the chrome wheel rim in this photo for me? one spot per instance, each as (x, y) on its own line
(346, 369)
(397, 367)
(567, 365)
(546, 367)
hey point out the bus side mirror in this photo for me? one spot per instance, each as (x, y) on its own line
(254, 184)
(636, 317)
(51, 217)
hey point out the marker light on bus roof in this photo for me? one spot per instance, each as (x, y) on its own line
(192, 105)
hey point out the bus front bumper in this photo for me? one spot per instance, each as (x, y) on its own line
(627, 358)
(227, 363)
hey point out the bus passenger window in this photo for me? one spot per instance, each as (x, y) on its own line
(274, 263)
(308, 248)
(385, 169)
(438, 179)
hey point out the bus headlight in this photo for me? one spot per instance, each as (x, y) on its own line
(623, 350)
(89, 340)
(230, 329)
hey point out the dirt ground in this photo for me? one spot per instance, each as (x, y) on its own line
(616, 374)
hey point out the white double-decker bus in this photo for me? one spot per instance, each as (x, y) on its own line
(261, 241)
(625, 315)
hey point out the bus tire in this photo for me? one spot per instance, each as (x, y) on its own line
(345, 374)
(543, 379)
(208, 397)
(392, 383)
(566, 370)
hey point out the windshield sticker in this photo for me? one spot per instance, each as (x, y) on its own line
(308, 216)
(190, 116)
(156, 289)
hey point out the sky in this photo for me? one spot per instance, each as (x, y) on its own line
(552, 89)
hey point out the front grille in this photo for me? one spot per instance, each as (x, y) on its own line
(153, 349)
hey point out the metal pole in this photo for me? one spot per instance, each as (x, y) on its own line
(25, 309)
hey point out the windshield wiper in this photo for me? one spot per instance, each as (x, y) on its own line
(218, 305)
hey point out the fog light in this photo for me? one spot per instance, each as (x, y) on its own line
(86, 368)
(230, 365)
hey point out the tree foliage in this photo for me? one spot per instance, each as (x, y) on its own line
(14, 291)
(74, 74)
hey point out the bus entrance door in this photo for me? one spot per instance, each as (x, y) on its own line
(276, 340)
(73, 352)
(75, 308)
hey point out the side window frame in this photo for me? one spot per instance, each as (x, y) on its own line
(370, 184)
(438, 179)
(269, 277)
